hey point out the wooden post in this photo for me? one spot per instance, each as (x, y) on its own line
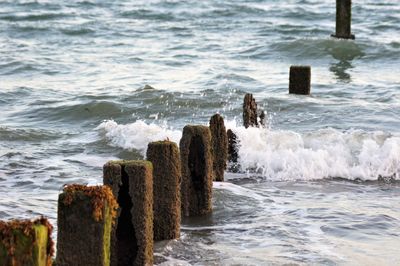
(249, 111)
(132, 235)
(85, 217)
(196, 161)
(219, 140)
(25, 242)
(343, 20)
(300, 80)
(232, 146)
(165, 158)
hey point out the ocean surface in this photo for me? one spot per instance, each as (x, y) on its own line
(318, 186)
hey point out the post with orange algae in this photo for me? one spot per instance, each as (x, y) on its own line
(26, 242)
(219, 140)
(343, 20)
(196, 162)
(132, 235)
(300, 80)
(85, 217)
(167, 176)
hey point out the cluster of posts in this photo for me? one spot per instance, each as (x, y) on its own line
(143, 201)
(139, 203)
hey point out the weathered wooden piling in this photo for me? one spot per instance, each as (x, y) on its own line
(249, 111)
(300, 80)
(219, 140)
(262, 119)
(165, 158)
(25, 242)
(196, 162)
(343, 20)
(232, 146)
(132, 235)
(85, 217)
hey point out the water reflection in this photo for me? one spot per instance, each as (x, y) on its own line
(344, 52)
(339, 69)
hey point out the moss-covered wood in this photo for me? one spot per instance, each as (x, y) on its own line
(26, 243)
(167, 191)
(300, 80)
(85, 218)
(219, 140)
(132, 235)
(196, 163)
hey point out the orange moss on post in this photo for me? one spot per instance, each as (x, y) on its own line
(25, 242)
(165, 158)
(219, 140)
(132, 235)
(196, 162)
(85, 218)
(99, 195)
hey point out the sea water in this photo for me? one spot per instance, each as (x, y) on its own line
(317, 185)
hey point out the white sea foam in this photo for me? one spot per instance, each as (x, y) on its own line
(136, 135)
(287, 155)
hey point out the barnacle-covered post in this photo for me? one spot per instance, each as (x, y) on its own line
(164, 156)
(249, 111)
(343, 20)
(219, 140)
(25, 242)
(300, 80)
(196, 161)
(85, 217)
(132, 235)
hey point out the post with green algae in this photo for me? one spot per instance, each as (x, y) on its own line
(85, 217)
(300, 80)
(165, 158)
(26, 243)
(196, 162)
(219, 140)
(132, 235)
(343, 20)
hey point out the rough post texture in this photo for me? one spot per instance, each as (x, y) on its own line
(343, 20)
(26, 243)
(232, 146)
(249, 111)
(262, 119)
(165, 158)
(196, 162)
(219, 140)
(84, 234)
(132, 234)
(300, 80)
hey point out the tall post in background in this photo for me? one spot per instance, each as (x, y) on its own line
(343, 20)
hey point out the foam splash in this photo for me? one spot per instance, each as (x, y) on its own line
(287, 155)
(136, 135)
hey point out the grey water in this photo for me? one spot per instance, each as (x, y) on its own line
(318, 186)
